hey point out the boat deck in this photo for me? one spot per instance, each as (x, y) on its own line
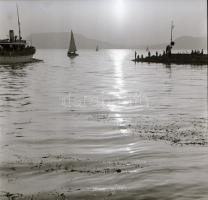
(194, 59)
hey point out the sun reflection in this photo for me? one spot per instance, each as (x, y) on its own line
(118, 58)
(129, 148)
(118, 92)
(119, 118)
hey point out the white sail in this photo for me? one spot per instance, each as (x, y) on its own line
(72, 45)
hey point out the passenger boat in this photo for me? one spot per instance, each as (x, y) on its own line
(15, 49)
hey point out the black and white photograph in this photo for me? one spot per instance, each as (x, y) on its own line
(103, 100)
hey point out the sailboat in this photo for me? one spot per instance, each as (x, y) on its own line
(72, 47)
(97, 48)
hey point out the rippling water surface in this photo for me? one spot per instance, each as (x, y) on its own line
(100, 126)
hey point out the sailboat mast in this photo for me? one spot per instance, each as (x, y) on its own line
(171, 37)
(72, 46)
(18, 22)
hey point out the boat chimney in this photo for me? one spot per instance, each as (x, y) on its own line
(11, 35)
(171, 37)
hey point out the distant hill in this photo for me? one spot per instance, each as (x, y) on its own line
(61, 41)
(189, 42)
(185, 42)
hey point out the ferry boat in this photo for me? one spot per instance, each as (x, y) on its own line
(14, 49)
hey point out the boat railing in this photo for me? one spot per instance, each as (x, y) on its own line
(20, 52)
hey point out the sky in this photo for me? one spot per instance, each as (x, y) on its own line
(117, 21)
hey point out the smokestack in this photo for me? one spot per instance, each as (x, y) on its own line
(11, 35)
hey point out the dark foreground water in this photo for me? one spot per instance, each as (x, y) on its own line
(102, 127)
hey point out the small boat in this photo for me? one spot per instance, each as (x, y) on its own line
(14, 49)
(97, 48)
(72, 47)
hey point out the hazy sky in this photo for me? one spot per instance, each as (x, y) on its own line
(126, 21)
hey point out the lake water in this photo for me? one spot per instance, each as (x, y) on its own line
(100, 126)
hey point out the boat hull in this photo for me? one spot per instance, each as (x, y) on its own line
(71, 55)
(15, 59)
(192, 59)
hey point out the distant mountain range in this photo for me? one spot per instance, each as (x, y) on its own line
(185, 42)
(61, 41)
